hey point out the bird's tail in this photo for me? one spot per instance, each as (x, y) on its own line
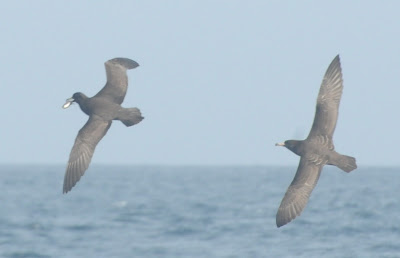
(130, 116)
(345, 163)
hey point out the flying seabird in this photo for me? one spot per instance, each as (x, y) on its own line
(102, 108)
(318, 149)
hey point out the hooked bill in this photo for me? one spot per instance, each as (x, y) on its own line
(67, 104)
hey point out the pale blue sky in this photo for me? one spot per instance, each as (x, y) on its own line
(219, 82)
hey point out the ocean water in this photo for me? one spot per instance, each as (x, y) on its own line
(167, 211)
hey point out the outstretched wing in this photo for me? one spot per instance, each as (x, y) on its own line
(82, 151)
(117, 80)
(299, 191)
(328, 101)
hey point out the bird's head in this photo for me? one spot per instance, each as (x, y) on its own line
(78, 97)
(289, 144)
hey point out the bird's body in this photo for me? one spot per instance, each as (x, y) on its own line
(102, 109)
(318, 149)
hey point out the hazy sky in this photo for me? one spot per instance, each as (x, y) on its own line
(219, 82)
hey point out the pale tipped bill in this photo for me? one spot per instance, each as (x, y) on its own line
(68, 103)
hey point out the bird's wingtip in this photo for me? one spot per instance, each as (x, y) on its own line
(66, 189)
(336, 59)
(125, 62)
(281, 221)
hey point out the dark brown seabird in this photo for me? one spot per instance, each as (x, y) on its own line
(318, 149)
(102, 108)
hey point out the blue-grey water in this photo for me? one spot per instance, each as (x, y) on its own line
(161, 211)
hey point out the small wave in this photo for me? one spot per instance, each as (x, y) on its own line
(120, 204)
(26, 254)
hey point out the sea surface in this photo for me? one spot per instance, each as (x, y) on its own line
(195, 211)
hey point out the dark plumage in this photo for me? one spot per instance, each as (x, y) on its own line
(318, 149)
(102, 108)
